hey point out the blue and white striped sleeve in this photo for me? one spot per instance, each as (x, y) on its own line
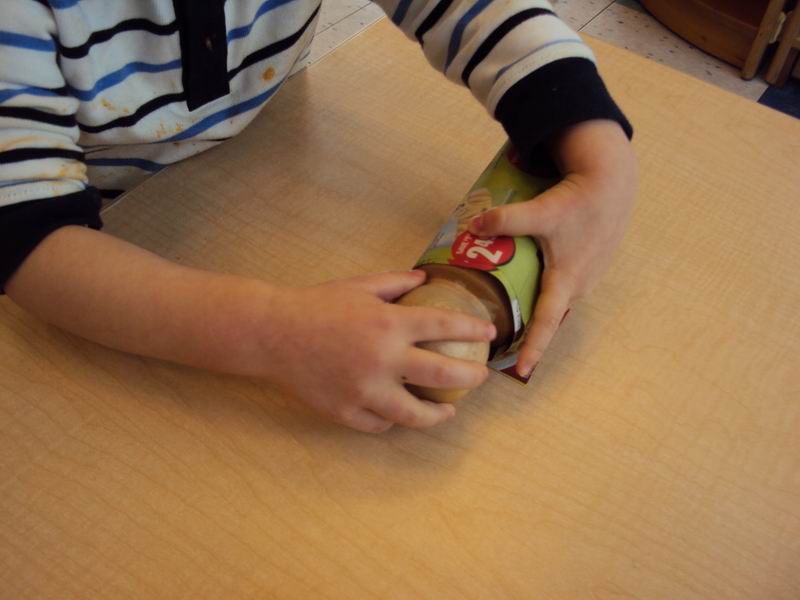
(43, 183)
(528, 68)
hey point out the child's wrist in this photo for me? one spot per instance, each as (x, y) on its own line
(592, 146)
(241, 321)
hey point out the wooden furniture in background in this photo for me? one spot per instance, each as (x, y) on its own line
(654, 455)
(770, 24)
(736, 31)
(788, 49)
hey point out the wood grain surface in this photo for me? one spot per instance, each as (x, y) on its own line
(655, 454)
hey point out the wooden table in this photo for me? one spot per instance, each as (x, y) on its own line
(656, 454)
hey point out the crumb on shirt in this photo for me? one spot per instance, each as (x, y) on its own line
(21, 142)
(72, 170)
(161, 131)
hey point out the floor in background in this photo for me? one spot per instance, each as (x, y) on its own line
(624, 23)
(785, 99)
(629, 26)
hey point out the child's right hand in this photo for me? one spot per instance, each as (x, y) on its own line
(340, 346)
(345, 350)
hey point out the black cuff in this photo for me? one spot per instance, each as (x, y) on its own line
(560, 94)
(24, 225)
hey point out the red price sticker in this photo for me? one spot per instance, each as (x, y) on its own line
(485, 254)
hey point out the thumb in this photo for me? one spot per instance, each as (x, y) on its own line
(390, 285)
(533, 217)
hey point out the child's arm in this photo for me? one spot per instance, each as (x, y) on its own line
(340, 347)
(539, 80)
(528, 68)
(578, 223)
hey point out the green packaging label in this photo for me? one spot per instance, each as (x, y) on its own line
(513, 261)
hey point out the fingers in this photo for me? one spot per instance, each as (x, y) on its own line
(535, 217)
(428, 369)
(390, 285)
(362, 420)
(550, 309)
(397, 407)
(406, 410)
(433, 324)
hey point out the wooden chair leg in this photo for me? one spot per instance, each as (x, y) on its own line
(788, 38)
(788, 65)
(765, 32)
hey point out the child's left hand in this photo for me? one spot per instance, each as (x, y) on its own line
(578, 223)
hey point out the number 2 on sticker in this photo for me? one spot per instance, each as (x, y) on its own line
(493, 257)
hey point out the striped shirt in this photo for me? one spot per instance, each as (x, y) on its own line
(96, 95)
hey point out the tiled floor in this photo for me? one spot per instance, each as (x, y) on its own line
(623, 23)
(629, 26)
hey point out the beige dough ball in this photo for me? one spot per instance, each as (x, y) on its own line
(448, 295)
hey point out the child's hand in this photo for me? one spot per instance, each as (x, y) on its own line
(346, 351)
(577, 223)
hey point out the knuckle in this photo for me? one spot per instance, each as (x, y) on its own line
(376, 360)
(535, 353)
(550, 322)
(494, 219)
(440, 375)
(380, 427)
(443, 323)
(362, 427)
(384, 324)
(408, 418)
(344, 414)
(361, 393)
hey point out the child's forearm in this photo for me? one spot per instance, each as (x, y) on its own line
(342, 347)
(114, 293)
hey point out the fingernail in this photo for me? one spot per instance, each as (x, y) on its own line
(491, 332)
(476, 224)
(527, 367)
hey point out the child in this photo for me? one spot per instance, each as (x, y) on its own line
(96, 95)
